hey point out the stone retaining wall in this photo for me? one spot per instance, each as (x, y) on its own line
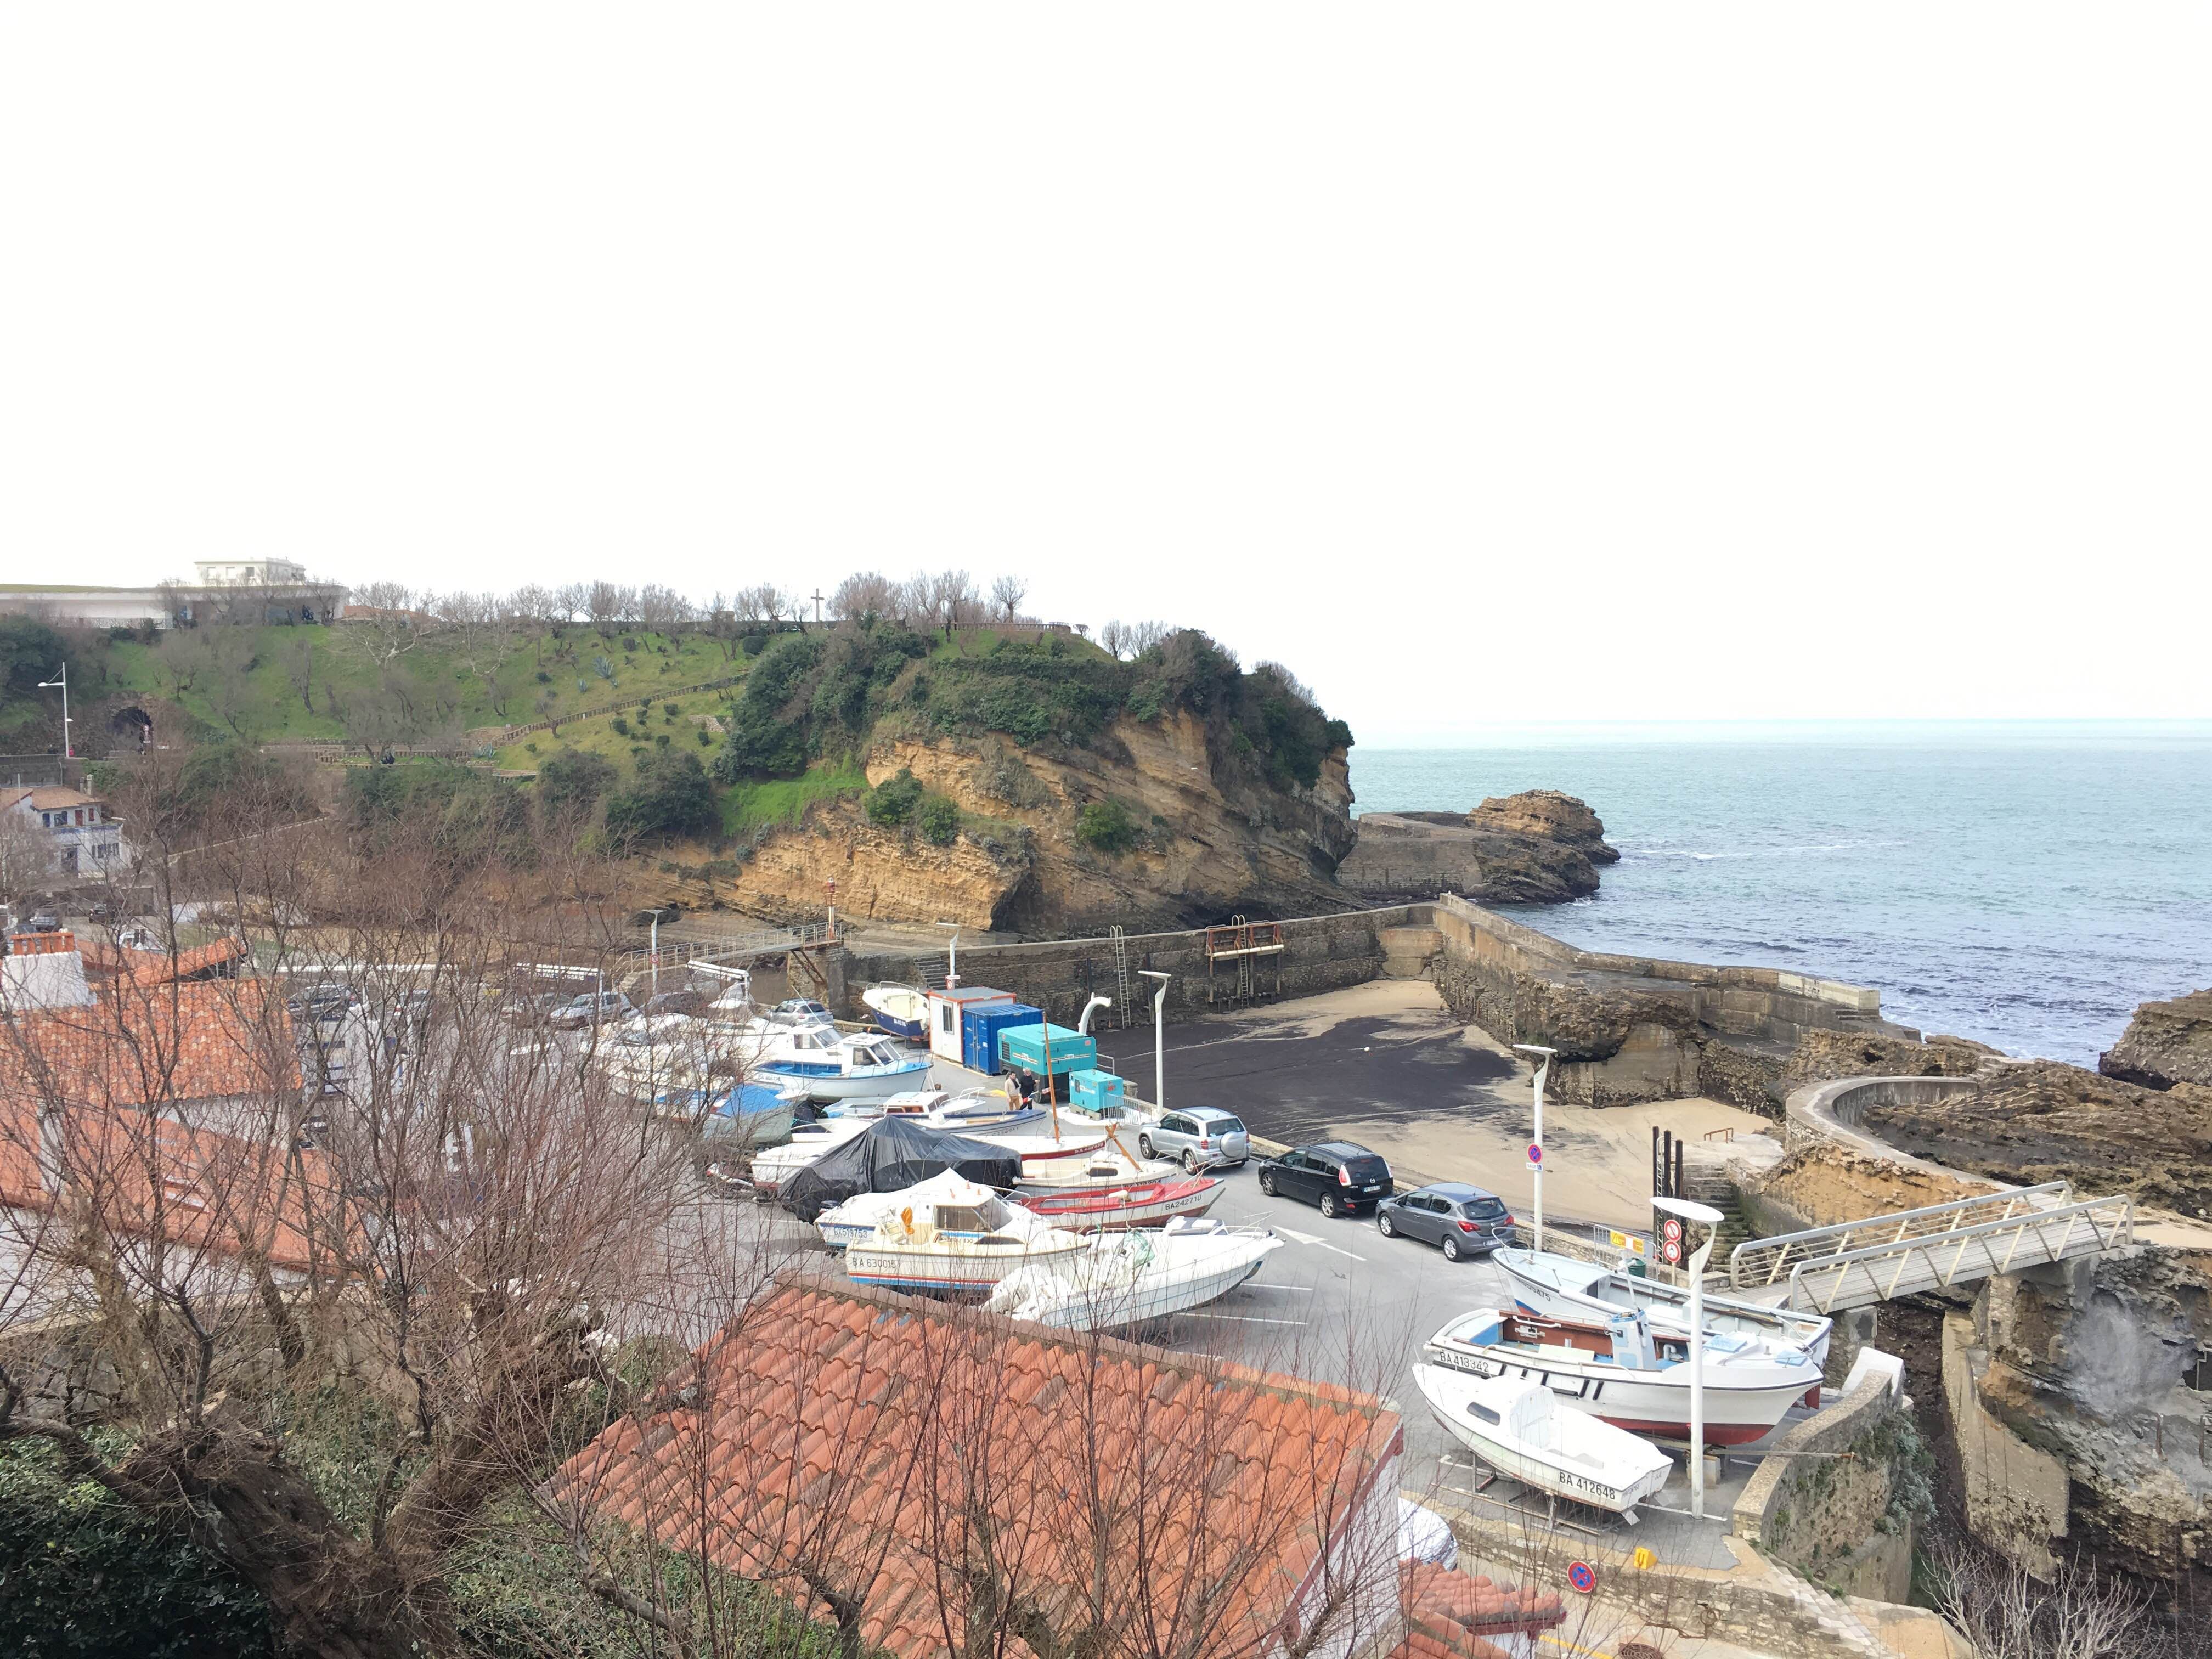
(1320, 953)
(1820, 1513)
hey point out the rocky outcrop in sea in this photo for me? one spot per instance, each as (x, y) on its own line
(2166, 1043)
(1539, 847)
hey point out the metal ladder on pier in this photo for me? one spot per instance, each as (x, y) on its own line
(1124, 1014)
(1855, 1264)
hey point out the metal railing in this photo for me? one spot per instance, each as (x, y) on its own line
(1856, 1263)
(680, 953)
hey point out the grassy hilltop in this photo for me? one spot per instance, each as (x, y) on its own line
(770, 717)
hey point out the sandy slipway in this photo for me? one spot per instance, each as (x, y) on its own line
(1384, 1064)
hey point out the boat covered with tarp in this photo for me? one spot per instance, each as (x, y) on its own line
(891, 1154)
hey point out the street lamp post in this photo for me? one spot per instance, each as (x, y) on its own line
(1159, 1038)
(1706, 1215)
(61, 680)
(1537, 1144)
(953, 959)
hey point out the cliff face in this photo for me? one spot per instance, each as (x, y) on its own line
(1210, 837)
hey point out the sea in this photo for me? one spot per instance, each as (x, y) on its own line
(2024, 884)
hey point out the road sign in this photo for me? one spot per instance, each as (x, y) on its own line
(1644, 1560)
(1630, 1243)
(1535, 1153)
(1671, 1229)
(1671, 1252)
(1581, 1576)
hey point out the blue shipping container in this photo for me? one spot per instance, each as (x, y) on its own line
(980, 1029)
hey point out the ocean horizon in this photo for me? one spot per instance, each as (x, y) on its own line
(2023, 883)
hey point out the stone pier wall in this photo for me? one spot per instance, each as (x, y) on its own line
(1320, 953)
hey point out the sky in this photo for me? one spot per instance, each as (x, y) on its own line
(1483, 364)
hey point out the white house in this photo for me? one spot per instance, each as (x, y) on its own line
(249, 573)
(80, 838)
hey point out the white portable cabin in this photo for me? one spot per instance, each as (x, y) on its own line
(946, 1010)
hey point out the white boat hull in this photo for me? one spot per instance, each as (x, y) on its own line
(1101, 1292)
(971, 1271)
(1588, 1460)
(870, 1082)
(1657, 1402)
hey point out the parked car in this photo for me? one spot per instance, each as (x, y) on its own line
(593, 1008)
(1341, 1175)
(532, 1007)
(46, 922)
(797, 1009)
(1201, 1136)
(1460, 1218)
(690, 1003)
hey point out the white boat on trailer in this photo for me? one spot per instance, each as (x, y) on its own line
(1554, 1286)
(833, 1068)
(1618, 1369)
(961, 1245)
(1521, 1430)
(1130, 1278)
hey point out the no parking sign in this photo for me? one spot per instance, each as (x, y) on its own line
(1581, 1576)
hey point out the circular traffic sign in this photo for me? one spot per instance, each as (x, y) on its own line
(1581, 1576)
(1672, 1250)
(1535, 1153)
(1672, 1228)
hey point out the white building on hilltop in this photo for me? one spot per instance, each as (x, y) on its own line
(249, 573)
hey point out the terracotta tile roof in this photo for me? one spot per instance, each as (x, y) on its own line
(158, 967)
(861, 1435)
(48, 798)
(147, 1176)
(148, 1046)
(1450, 1615)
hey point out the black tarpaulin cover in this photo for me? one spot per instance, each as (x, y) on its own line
(890, 1156)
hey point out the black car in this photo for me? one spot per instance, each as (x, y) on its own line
(1461, 1219)
(1343, 1178)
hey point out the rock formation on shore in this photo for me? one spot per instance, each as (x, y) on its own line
(1536, 847)
(2166, 1043)
(2041, 1121)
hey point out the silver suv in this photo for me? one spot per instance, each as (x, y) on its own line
(1201, 1136)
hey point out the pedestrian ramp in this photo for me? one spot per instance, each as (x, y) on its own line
(1855, 1264)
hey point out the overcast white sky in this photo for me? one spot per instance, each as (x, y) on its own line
(1482, 363)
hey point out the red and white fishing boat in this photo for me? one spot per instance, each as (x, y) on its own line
(1152, 1202)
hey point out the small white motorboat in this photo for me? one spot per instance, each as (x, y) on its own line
(1099, 1170)
(1150, 1202)
(1129, 1278)
(833, 1068)
(899, 1010)
(856, 1220)
(775, 1165)
(1524, 1431)
(1556, 1286)
(1619, 1370)
(959, 1247)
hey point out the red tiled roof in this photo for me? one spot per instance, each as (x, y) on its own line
(159, 967)
(1450, 1615)
(147, 1176)
(47, 797)
(872, 1437)
(147, 1046)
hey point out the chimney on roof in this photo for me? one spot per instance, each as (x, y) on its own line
(61, 944)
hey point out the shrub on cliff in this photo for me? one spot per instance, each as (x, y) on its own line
(1029, 691)
(1106, 826)
(672, 796)
(573, 782)
(892, 802)
(938, 821)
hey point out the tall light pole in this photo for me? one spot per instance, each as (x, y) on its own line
(67, 753)
(1159, 1038)
(1706, 1215)
(1537, 1144)
(952, 958)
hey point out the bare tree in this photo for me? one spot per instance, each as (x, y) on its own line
(299, 657)
(572, 602)
(530, 603)
(607, 605)
(1115, 637)
(1007, 593)
(763, 602)
(2006, 1613)
(26, 854)
(865, 593)
(1144, 635)
(436, 1233)
(664, 610)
